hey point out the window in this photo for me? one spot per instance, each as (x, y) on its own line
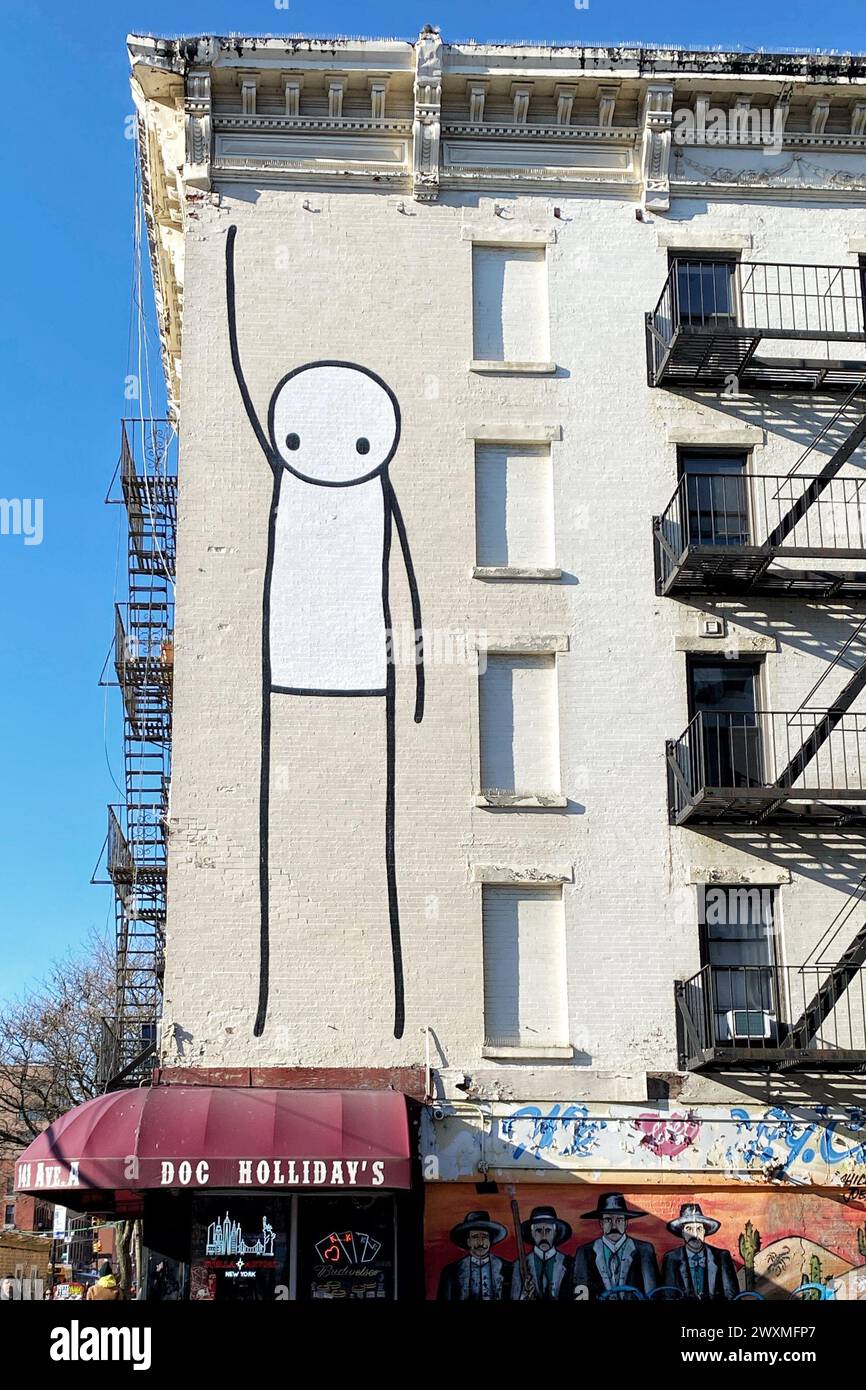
(9, 1217)
(705, 291)
(519, 725)
(723, 695)
(738, 933)
(525, 1002)
(513, 506)
(509, 304)
(10, 1184)
(716, 497)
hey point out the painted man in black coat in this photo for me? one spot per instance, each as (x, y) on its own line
(616, 1258)
(700, 1271)
(548, 1270)
(480, 1276)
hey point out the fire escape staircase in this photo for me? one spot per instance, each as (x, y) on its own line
(143, 662)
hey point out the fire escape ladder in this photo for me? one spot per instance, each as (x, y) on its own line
(819, 483)
(823, 729)
(829, 993)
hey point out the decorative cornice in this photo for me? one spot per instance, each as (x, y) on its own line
(314, 123)
(625, 135)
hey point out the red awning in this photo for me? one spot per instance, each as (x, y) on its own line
(212, 1136)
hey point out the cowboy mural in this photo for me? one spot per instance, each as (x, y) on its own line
(615, 1259)
(548, 1270)
(700, 1271)
(480, 1276)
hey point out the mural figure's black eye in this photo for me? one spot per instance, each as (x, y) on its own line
(362, 445)
(293, 441)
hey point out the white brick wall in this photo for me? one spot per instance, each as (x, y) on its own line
(395, 293)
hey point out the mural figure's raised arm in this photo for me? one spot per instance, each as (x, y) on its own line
(233, 343)
(416, 602)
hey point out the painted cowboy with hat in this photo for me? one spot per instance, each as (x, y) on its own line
(615, 1258)
(548, 1269)
(700, 1271)
(479, 1277)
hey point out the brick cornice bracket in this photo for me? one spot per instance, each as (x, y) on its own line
(198, 128)
(427, 121)
(656, 154)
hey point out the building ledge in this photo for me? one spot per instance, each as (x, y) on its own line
(521, 801)
(490, 367)
(528, 1052)
(514, 572)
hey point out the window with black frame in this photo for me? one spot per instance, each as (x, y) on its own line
(738, 930)
(716, 496)
(724, 696)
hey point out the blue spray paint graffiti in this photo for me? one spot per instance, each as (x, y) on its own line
(565, 1129)
(778, 1138)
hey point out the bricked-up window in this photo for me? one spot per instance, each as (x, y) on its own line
(509, 304)
(513, 506)
(525, 1001)
(519, 725)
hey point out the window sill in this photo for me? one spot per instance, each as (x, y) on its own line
(528, 1052)
(519, 801)
(514, 572)
(487, 367)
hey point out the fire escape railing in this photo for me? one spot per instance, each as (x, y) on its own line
(765, 516)
(775, 1014)
(704, 302)
(735, 766)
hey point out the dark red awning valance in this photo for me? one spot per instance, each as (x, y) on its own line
(212, 1136)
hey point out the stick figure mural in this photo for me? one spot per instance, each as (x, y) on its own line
(333, 428)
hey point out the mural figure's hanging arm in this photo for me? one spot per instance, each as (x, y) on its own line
(333, 428)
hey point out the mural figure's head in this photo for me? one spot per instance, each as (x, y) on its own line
(334, 423)
(692, 1226)
(545, 1229)
(694, 1234)
(614, 1213)
(478, 1244)
(476, 1233)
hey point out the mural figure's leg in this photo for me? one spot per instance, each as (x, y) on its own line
(390, 862)
(390, 764)
(264, 864)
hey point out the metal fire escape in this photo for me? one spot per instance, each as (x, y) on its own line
(819, 517)
(135, 859)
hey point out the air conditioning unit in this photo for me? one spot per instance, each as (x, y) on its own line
(750, 1024)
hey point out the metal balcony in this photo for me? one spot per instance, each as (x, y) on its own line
(807, 767)
(136, 848)
(779, 1018)
(724, 533)
(712, 317)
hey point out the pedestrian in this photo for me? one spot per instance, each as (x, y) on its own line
(106, 1285)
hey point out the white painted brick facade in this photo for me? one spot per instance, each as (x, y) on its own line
(353, 277)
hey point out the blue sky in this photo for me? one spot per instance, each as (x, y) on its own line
(67, 258)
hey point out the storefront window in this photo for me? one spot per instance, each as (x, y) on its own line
(239, 1248)
(345, 1247)
(273, 1247)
